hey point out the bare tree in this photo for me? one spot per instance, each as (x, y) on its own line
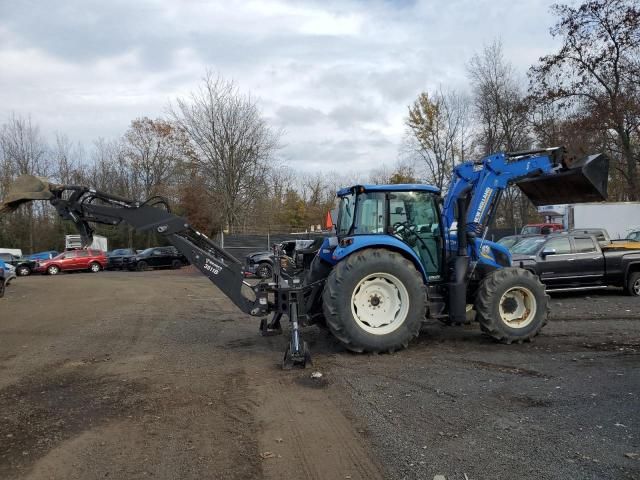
(500, 111)
(153, 148)
(24, 153)
(597, 70)
(231, 143)
(499, 104)
(438, 132)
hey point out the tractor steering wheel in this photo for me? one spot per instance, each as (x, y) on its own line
(407, 231)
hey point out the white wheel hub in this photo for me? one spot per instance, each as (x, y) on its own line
(380, 303)
(518, 307)
(636, 287)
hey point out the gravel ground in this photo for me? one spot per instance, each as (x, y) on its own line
(155, 374)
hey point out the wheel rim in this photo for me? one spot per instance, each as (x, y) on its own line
(380, 303)
(636, 287)
(95, 267)
(518, 307)
(23, 271)
(264, 271)
(53, 270)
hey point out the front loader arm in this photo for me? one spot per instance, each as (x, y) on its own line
(84, 206)
(547, 176)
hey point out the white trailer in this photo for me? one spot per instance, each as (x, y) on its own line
(618, 218)
(74, 241)
(16, 252)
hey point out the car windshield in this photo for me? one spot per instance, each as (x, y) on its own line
(528, 246)
(148, 251)
(508, 241)
(530, 229)
(119, 251)
(634, 236)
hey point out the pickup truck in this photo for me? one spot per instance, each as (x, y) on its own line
(23, 266)
(577, 262)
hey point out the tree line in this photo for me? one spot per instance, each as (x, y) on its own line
(216, 158)
(585, 96)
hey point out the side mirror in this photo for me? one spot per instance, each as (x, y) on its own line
(548, 251)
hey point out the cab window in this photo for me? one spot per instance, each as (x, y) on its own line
(584, 245)
(560, 245)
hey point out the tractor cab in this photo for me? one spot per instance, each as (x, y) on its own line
(403, 217)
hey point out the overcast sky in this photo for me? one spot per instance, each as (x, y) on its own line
(337, 76)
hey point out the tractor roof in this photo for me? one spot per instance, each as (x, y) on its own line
(401, 187)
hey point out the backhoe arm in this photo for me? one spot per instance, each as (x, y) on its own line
(83, 206)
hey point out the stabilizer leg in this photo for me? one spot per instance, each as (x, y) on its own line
(297, 353)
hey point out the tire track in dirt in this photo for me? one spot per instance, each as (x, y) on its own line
(303, 433)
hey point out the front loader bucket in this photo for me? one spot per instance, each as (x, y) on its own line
(583, 181)
(24, 190)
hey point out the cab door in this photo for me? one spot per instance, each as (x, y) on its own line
(419, 211)
(555, 266)
(587, 264)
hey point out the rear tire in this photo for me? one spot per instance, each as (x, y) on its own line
(512, 305)
(633, 284)
(2, 287)
(176, 264)
(142, 266)
(375, 301)
(94, 267)
(53, 270)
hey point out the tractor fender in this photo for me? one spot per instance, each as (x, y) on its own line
(360, 242)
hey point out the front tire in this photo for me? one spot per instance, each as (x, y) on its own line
(633, 284)
(2, 287)
(53, 270)
(375, 301)
(94, 267)
(176, 264)
(512, 305)
(264, 270)
(23, 271)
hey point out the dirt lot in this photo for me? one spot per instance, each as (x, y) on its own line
(156, 375)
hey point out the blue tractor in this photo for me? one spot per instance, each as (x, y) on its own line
(400, 253)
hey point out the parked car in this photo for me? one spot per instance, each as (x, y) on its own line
(634, 236)
(84, 259)
(48, 255)
(541, 228)
(577, 262)
(115, 258)
(23, 266)
(155, 257)
(3, 275)
(512, 240)
(10, 273)
(260, 264)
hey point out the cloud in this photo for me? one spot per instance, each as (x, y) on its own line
(335, 75)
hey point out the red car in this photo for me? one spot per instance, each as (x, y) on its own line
(91, 260)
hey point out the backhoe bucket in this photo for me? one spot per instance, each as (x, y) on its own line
(25, 189)
(583, 181)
